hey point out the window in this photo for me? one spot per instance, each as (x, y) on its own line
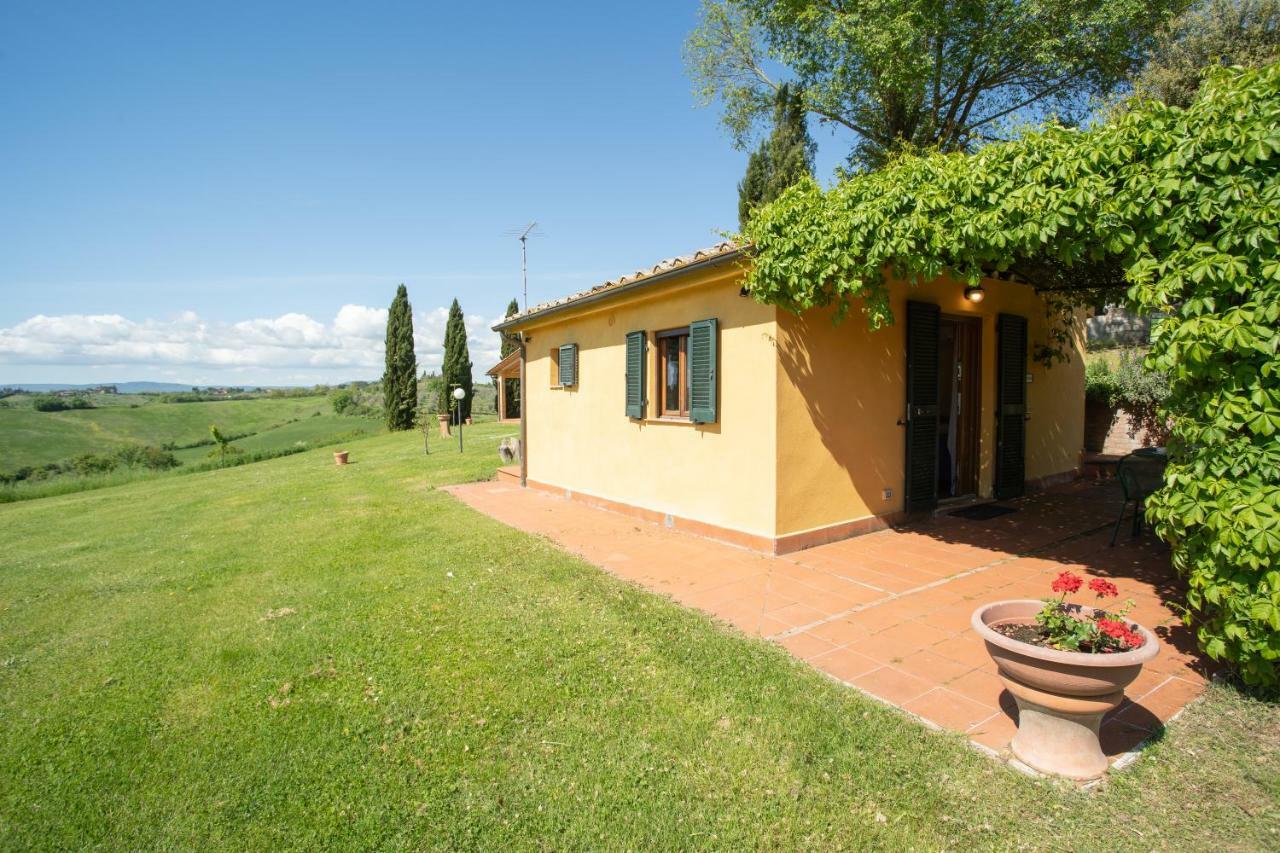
(684, 362)
(673, 373)
(564, 366)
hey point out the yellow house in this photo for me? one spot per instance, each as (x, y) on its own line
(672, 395)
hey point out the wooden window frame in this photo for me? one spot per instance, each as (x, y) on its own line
(681, 410)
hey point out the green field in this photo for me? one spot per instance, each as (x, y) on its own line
(308, 431)
(28, 437)
(294, 655)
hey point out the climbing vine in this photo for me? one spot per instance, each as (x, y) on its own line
(1179, 209)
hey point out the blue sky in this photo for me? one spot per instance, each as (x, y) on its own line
(194, 192)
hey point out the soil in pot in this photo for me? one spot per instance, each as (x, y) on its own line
(1033, 635)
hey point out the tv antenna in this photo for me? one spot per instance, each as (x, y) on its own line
(523, 236)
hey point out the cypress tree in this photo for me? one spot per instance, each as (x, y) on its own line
(509, 345)
(781, 160)
(456, 369)
(400, 378)
(751, 187)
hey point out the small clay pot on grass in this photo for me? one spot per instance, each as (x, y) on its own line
(340, 457)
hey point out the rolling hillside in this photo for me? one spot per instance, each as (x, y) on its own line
(28, 437)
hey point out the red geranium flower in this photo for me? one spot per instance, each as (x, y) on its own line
(1118, 630)
(1112, 628)
(1104, 588)
(1067, 582)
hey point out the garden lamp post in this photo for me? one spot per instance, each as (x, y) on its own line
(458, 394)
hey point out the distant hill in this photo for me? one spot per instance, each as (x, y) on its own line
(122, 387)
(149, 387)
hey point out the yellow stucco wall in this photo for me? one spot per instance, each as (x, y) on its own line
(807, 433)
(580, 438)
(841, 392)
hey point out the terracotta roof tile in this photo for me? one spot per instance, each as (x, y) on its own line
(668, 265)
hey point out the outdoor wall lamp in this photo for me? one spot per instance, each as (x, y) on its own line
(458, 394)
(975, 293)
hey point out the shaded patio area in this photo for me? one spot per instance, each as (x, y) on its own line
(888, 613)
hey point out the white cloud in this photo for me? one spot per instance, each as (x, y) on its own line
(280, 350)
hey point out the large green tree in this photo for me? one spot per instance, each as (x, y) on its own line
(400, 377)
(456, 369)
(924, 73)
(509, 344)
(1185, 203)
(1217, 32)
(782, 159)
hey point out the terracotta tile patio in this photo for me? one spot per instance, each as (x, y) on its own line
(888, 613)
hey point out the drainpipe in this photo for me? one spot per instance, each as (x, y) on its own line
(524, 429)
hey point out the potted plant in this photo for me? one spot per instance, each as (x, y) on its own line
(444, 424)
(340, 457)
(1066, 665)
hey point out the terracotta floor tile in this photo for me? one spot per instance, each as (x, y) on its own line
(956, 618)
(771, 627)
(879, 617)
(1147, 680)
(892, 685)
(885, 649)
(932, 666)
(845, 664)
(1170, 698)
(935, 599)
(966, 648)
(949, 709)
(916, 634)
(995, 732)
(980, 686)
(841, 632)
(805, 645)
(795, 615)
(1117, 738)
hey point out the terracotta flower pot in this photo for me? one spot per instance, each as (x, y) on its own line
(340, 457)
(1062, 696)
(444, 426)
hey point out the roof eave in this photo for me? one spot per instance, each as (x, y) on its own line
(608, 293)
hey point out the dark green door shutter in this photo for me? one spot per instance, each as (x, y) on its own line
(635, 374)
(702, 371)
(569, 365)
(1011, 406)
(922, 406)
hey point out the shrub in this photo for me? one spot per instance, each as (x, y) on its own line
(53, 403)
(1100, 382)
(143, 456)
(343, 401)
(1132, 386)
(87, 464)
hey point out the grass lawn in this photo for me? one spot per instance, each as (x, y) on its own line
(292, 654)
(310, 430)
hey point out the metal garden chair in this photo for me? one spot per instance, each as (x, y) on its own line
(1140, 473)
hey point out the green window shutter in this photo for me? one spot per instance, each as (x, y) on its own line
(569, 365)
(635, 374)
(702, 371)
(921, 482)
(1011, 406)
